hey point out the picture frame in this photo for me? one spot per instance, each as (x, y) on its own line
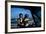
(17, 4)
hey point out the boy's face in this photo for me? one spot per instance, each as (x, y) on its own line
(21, 16)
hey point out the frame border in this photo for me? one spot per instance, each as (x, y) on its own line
(6, 30)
